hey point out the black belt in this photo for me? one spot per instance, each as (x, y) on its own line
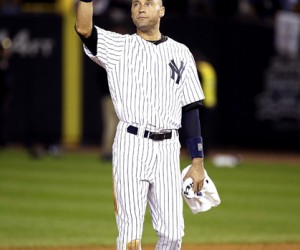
(155, 136)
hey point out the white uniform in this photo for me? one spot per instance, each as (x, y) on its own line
(149, 84)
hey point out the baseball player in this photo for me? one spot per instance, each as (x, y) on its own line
(153, 82)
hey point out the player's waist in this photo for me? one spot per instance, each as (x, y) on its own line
(156, 135)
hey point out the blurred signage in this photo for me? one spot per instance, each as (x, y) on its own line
(24, 44)
(36, 72)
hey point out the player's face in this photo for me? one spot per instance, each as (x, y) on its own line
(146, 14)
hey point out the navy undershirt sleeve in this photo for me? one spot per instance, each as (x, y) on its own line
(191, 123)
(91, 41)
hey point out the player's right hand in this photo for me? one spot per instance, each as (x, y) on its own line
(196, 172)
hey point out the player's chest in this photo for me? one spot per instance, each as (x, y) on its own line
(156, 65)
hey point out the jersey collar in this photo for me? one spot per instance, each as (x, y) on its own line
(161, 40)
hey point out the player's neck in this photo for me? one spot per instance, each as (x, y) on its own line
(149, 35)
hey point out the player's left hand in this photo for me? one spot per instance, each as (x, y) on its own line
(196, 172)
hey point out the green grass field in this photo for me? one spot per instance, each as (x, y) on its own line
(67, 201)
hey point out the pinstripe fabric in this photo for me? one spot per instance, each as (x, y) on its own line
(146, 170)
(139, 78)
(148, 84)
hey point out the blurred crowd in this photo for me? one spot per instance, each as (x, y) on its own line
(10, 7)
(256, 9)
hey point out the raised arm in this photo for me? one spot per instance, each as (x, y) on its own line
(84, 18)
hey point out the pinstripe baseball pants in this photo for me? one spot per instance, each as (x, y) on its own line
(147, 171)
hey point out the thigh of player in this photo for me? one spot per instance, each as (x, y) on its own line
(130, 185)
(165, 197)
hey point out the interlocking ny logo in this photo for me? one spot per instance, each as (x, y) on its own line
(175, 69)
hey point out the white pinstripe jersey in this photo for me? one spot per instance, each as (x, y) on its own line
(149, 84)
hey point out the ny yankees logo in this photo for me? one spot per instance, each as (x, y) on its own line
(175, 69)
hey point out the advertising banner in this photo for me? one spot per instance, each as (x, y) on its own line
(35, 77)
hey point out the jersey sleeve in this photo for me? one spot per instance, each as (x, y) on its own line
(109, 48)
(192, 90)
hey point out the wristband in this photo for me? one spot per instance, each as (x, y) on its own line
(86, 1)
(195, 147)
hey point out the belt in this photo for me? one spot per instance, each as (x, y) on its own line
(155, 136)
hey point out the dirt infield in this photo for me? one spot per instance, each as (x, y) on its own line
(184, 247)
